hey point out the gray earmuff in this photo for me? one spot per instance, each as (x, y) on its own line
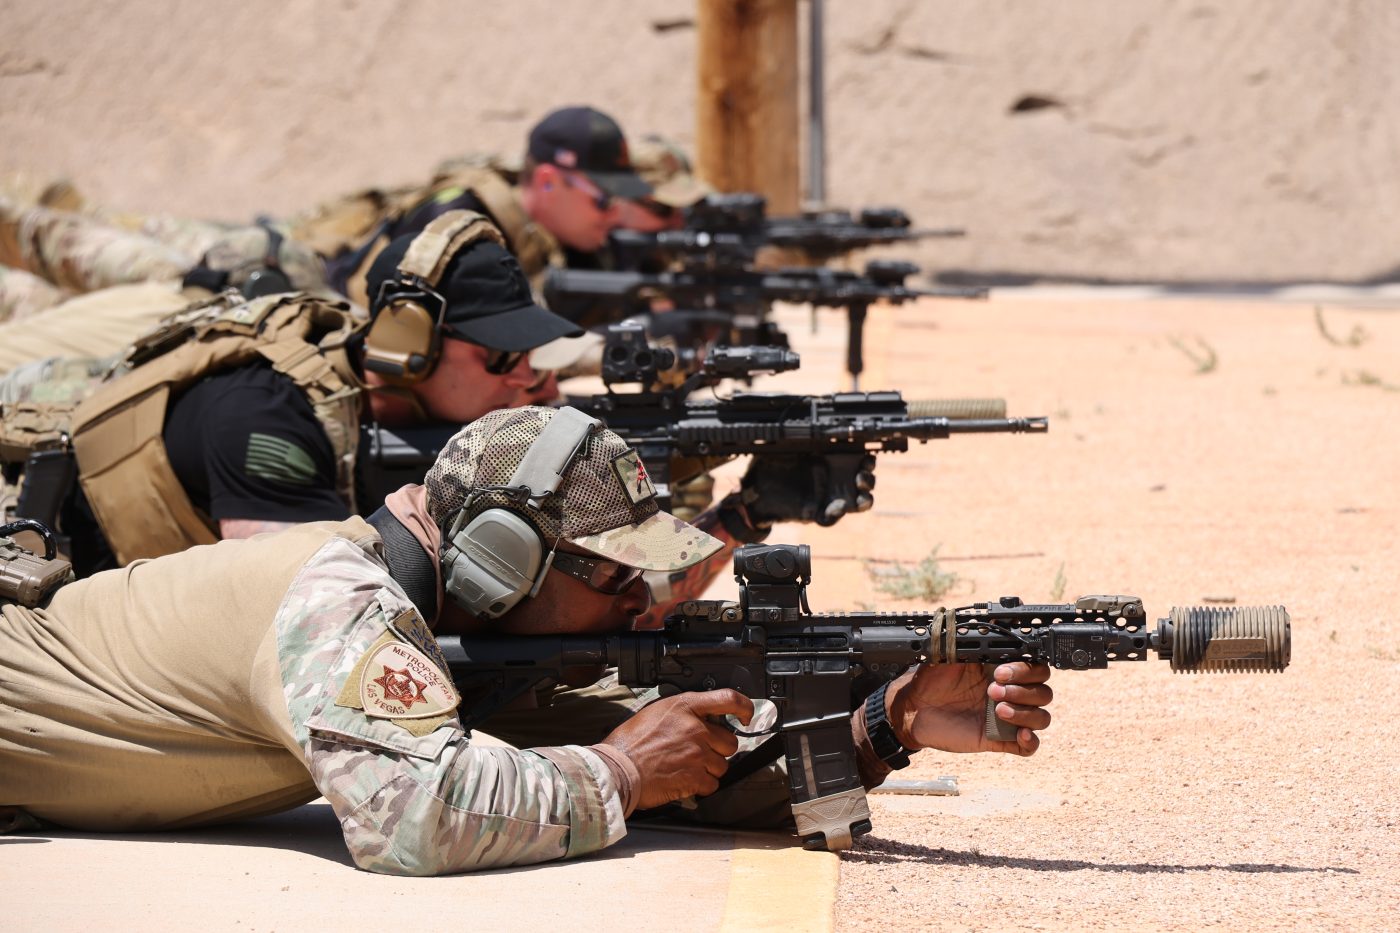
(493, 561)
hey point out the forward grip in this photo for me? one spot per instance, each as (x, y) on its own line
(995, 728)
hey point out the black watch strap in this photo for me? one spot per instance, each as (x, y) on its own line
(882, 737)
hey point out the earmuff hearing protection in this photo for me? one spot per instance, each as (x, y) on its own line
(405, 340)
(270, 279)
(493, 561)
(267, 279)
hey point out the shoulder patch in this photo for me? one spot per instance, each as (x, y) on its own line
(632, 473)
(399, 682)
(411, 628)
(279, 460)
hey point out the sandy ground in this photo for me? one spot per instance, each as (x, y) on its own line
(1157, 801)
(1183, 139)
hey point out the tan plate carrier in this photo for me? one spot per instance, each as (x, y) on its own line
(346, 223)
(117, 431)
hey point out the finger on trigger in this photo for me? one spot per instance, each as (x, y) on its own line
(725, 702)
(722, 739)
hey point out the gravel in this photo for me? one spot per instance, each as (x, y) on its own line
(1157, 801)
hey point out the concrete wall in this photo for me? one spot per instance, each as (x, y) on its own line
(1204, 139)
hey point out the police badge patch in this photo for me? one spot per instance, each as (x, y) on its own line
(398, 682)
(633, 475)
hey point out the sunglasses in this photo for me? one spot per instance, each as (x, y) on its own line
(601, 199)
(599, 573)
(498, 362)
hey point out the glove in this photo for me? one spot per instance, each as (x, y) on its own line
(691, 497)
(800, 488)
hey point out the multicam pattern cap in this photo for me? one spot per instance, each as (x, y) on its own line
(665, 167)
(606, 503)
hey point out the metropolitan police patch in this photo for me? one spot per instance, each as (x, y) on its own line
(633, 475)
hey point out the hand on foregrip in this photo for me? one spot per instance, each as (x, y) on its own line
(997, 729)
(818, 489)
(679, 752)
(947, 706)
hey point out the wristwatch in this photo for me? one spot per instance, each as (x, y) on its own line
(882, 738)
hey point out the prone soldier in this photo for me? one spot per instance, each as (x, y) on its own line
(557, 209)
(243, 416)
(254, 675)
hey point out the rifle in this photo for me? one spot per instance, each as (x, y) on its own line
(770, 645)
(678, 437)
(727, 227)
(746, 295)
(710, 267)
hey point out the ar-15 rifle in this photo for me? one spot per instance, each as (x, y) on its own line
(709, 267)
(770, 645)
(747, 295)
(724, 228)
(678, 437)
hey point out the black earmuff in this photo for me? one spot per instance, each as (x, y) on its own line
(268, 279)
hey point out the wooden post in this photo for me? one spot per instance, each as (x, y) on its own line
(746, 112)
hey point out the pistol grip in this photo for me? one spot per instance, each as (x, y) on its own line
(997, 729)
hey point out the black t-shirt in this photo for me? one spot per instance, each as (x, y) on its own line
(245, 444)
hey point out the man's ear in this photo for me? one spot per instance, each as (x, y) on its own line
(545, 177)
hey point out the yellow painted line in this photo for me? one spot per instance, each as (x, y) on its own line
(777, 885)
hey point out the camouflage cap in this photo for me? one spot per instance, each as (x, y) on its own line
(242, 251)
(665, 166)
(606, 503)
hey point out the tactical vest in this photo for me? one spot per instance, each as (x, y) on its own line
(364, 222)
(116, 432)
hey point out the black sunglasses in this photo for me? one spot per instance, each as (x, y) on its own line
(601, 199)
(498, 362)
(601, 574)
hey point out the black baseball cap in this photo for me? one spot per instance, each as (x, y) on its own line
(487, 294)
(588, 141)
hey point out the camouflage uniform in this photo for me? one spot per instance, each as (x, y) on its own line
(411, 800)
(23, 294)
(240, 678)
(84, 253)
(80, 254)
(129, 281)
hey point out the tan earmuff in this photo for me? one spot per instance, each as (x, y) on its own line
(404, 342)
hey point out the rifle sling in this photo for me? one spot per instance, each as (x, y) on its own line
(408, 563)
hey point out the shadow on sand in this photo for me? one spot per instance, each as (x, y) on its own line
(874, 850)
